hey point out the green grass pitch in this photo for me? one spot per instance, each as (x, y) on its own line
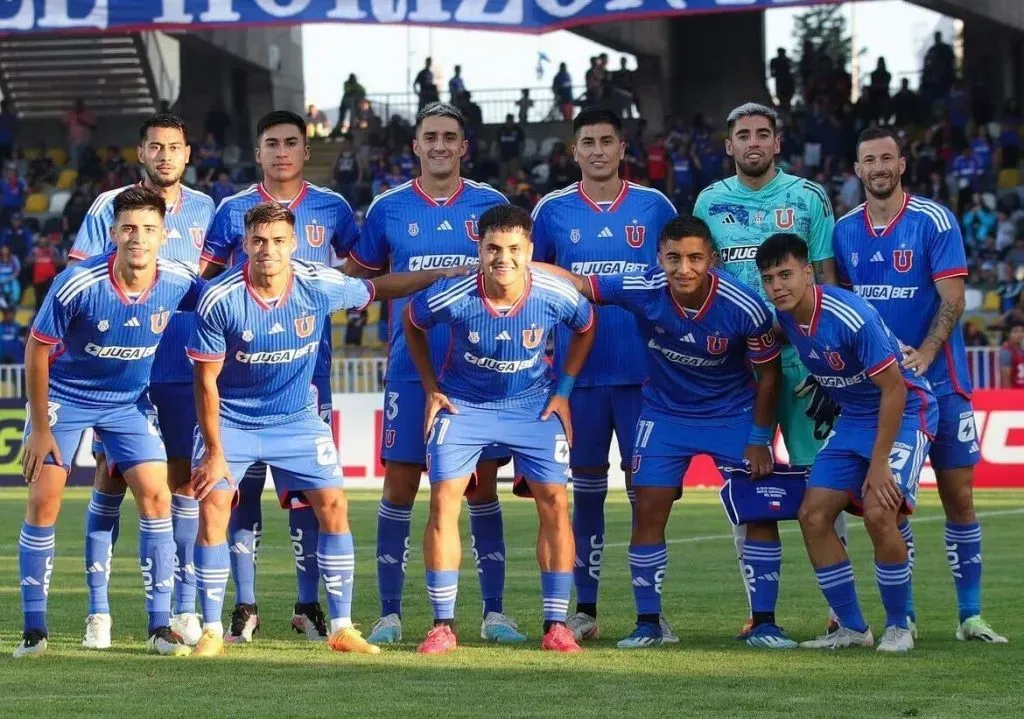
(709, 674)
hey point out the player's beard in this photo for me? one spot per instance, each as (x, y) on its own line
(882, 192)
(755, 169)
(158, 181)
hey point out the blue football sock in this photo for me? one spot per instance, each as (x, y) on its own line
(185, 518)
(393, 526)
(337, 559)
(305, 533)
(647, 567)
(101, 523)
(156, 559)
(488, 533)
(908, 537)
(588, 496)
(212, 567)
(836, 582)
(244, 531)
(762, 565)
(555, 588)
(893, 582)
(963, 552)
(442, 590)
(35, 565)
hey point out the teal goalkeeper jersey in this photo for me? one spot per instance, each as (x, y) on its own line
(741, 219)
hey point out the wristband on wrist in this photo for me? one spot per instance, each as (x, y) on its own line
(760, 436)
(565, 385)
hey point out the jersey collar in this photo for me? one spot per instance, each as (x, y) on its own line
(590, 202)
(291, 204)
(119, 290)
(259, 301)
(892, 223)
(516, 306)
(812, 328)
(705, 306)
(418, 189)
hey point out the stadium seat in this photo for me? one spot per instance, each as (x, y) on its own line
(37, 204)
(130, 155)
(66, 178)
(993, 302)
(59, 199)
(30, 153)
(1008, 178)
(59, 156)
(103, 153)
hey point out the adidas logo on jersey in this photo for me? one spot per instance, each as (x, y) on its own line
(503, 335)
(445, 226)
(728, 219)
(814, 355)
(133, 322)
(606, 232)
(276, 329)
(877, 257)
(688, 338)
(30, 582)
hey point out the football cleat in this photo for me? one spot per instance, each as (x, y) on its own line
(309, 619)
(896, 640)
(210, 644)
(166, 643)
(841, 639)
(644, 635)
(912, 626)
(188, 627)
(351, 641)
(667, 635)
(387, 630)
(583, 626)
(440, 640)
(977, 628)
(501, 629)
(97, 631)
(245, 621)
(769, 636)
(745, 632)
(559, 638)
(33, 644)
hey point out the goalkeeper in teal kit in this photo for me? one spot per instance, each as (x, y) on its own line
(742, 212)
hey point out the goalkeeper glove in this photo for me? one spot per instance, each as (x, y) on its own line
(821, 408)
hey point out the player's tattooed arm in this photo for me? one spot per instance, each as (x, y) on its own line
(951, 307)
(879, 486)
(212, 466)
(40, 442)
(581, 283)
(825, 272)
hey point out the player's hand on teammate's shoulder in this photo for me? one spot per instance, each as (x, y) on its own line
(212, 468)
(881, 485)
(39, 444)
(436, 401)
(460, 271)
(759, 457)
(558, 405)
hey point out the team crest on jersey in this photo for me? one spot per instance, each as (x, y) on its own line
(103, 325)
(574, 235)
(315, 235)
(759, 217)
(835, 361)
(414, 229)
(717, 345)
(902, 260)
(474, 337)
(158, 321)
(198, 234)
(389, 438)
(305, 325)
(636, 463)
(532, 337)
(785, 218)
(767, 339)
(635, 235)
(473, 230)
(247, 336)
(854, 259)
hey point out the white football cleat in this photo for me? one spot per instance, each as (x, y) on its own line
(977, 628)
(97, 631)
(188, 627)
(896, 640)
(583, 626)
(841, 639)
(667, 635)
(387, 630)
(33, 644)
(166, 643)
(498, 628)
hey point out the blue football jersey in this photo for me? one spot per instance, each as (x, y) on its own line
(572, 231)
(845, 345)
(107, 341)
(407, 230)
(269, 352)
(323, 221)
(187, 222)
(895, 268)
(496, 359)
(696, 353)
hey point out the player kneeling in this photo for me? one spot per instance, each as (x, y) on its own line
(495, 390)
(873, 456)
(254, 347)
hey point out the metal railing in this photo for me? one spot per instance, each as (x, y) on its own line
(366, 374)
(494, 104)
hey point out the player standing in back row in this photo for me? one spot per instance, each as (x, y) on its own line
(601, 225)
(905, 255)
(742, 212)
(428, 223)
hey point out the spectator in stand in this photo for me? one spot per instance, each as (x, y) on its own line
(456, 86)
(222, 188)
(958, 108)
(561, 86)
(354, 324)
(41, 169)
(111, 181)
(781, 69)
(46, 261)
(905, 106)
(939, 70)
(75, 211)
(683, 180)
(879, 87)
(10, 274)
(17, 237)
(973, 336)
(594, 80)
(525, 104)
(210, 158)
(13, 193)
(981, 148)
(424, 86)
(217, 122)
(815, 129)
(348, 173)
(1009, 287)
(394, 176)
(12, 338)
(936, 188)
(979, 223)
(966, 176)
(316, 122)
(510, 148)
(80, 123)
(1014, 257)
(1009, 136)
(1006, 232)
(364, 116)
(352, 94)
(1011, 357)
(622, 90)
(406, 162)
(658, 165)
(562, 171)
(8, 130)
(850, 194)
